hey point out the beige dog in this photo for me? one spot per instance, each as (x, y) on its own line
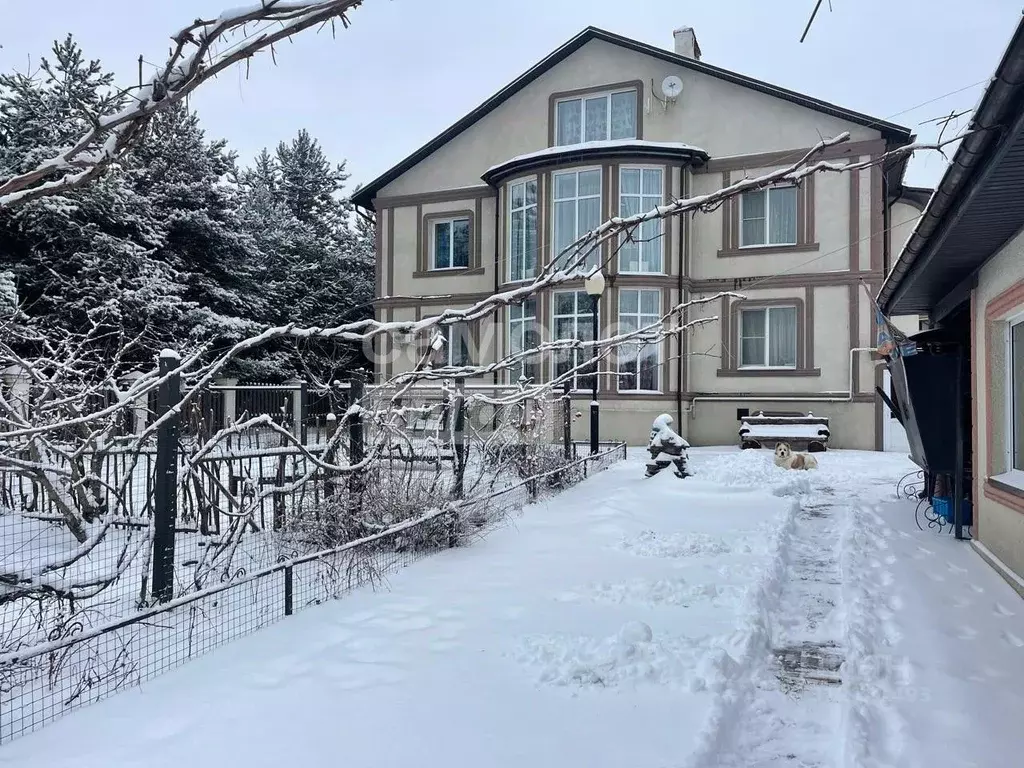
(786, 458)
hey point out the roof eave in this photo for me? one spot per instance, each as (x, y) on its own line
(1004, 91)
(364, 198)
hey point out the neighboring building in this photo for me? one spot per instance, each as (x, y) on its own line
(964, 267)
(588, 133)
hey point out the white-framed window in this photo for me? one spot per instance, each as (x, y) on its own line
(641, 189)
(768, 337)
(638, 362)
(1015, 398)
(522, 213)
(523, 334)
(768, 217)
(449, 243)
(458, 346)
(574, 319)
(576, 210)
(596, 117)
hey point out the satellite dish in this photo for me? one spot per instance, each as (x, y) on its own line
(672, 86)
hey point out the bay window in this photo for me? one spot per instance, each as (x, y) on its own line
(640, 190)
(638, 361)
(522, 259)
(523, 334)
(576, 211)
(573, 319)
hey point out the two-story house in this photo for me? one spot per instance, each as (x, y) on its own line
(601, 128)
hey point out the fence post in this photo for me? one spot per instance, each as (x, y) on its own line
(165, 490)
(567, 421)
(303, 412)
(459, 437)
(230, 401)
(288, 590)
(329, 455)
(356, 449)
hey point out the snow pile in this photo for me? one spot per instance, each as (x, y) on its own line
(631, 656)
(651, 544)
(648, 592)
(754, 470)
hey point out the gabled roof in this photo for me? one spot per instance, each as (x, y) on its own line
(365, 195)
(977, 207)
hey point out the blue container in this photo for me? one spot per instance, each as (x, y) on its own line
(943, 507)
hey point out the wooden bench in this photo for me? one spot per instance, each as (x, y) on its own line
(803, 433)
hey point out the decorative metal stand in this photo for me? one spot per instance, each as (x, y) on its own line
(911, 485)
(934, 520)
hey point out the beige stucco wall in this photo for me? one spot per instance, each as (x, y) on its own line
(726, 120)
(1000, 527)
(723, 118)
(831, 321)
(715, 423)
(832, 232)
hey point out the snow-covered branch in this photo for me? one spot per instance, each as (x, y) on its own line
(200, 51)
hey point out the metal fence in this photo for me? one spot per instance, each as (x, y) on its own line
(197, 537)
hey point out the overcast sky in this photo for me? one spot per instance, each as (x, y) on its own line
(407, 69)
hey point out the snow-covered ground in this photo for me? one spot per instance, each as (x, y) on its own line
(748, 616)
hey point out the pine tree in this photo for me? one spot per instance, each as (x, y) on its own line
(86, 254)
(184, 177)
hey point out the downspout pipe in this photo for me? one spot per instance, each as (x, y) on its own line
(497, 270)
(684, 234)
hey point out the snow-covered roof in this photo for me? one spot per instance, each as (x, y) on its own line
(598, 145)
(639, 147)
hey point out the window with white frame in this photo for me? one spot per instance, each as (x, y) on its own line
(596, 117)
(522, 259)
(574, 319)
(576, 210)
(768, 337)
(1015, 395)
(449, 247)
(641, 189)
(457, 348)
(638, 362)
(523, 334)
(768, 217)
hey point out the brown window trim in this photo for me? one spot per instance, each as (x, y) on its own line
(804, 224)
(554, 98)
(423, 260)
(730, 323)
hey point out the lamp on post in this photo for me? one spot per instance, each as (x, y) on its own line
(594, 286)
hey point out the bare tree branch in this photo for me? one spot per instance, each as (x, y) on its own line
(201, 51)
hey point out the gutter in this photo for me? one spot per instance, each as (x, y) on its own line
(997, 97)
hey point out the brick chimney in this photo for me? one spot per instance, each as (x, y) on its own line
(686, 43)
